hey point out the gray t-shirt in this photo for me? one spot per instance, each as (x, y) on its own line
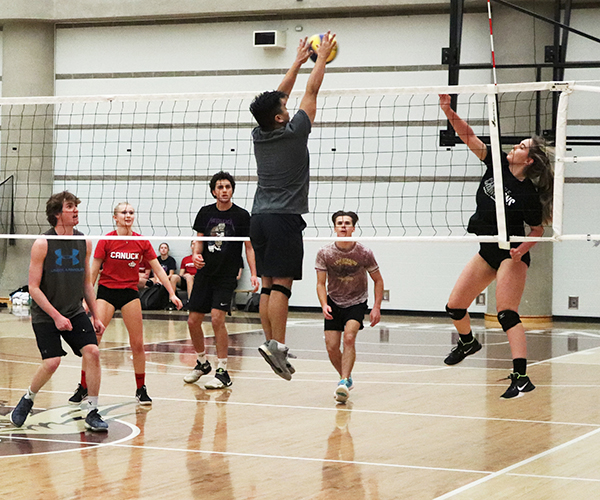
(282, 165)
(347, 283)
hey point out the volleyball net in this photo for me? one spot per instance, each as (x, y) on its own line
(387, 154)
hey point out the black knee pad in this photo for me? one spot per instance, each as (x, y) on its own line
(456, 314)
(280, 288)
(265, 291)
(508, 319)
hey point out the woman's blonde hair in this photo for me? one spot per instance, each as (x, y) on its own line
(540, 172)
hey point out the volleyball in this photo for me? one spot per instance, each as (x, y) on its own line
(314, 42)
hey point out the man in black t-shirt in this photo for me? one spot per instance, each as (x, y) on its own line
(218, 263)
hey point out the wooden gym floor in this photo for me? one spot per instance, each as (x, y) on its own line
(413, 429)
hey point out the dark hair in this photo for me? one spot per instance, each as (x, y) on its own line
(540, 172)
(221, 176)
(265, 106)
(54, 205)
(342, 213)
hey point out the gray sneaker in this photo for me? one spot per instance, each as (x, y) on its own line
(21, 411)
(276, 358)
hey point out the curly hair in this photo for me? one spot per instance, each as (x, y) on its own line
(221, 176)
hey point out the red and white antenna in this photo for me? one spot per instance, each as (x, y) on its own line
(489, 8)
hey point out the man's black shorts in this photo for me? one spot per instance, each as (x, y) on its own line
(48, 337)
(341, 315)
(278, 246)
(212, 292)
(117, 297)
(494, 255)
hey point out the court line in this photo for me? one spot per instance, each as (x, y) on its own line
(542, 476)
(506, 470)
(336, 409)
(251, 455)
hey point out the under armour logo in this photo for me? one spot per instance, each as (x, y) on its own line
(60, 257)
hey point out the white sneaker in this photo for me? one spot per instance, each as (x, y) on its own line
(220, 381)
(199, 370)
(342, 392)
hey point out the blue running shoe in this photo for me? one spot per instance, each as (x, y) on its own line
(21, 411)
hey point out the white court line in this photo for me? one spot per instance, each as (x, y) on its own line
(336, 409)
(117, 444)
(561, 478)
(569, 354)
(506, 470)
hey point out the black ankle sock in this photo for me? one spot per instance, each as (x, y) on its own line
(466, 339)
(520, 366)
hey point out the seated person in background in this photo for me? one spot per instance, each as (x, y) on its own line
(187, 272)
(166, 262)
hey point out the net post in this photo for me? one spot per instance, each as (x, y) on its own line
(559, 162)
(497, 169)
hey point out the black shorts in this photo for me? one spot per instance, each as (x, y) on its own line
(212, 292)
(494, 255)
(117, 297)
(48, 337)
(278, 245)
(341, 315)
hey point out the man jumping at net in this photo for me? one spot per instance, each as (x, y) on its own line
(282, 161)
(59, 279)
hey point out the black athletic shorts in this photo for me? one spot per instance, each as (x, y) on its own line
(341, 315)
(494, 255)
(278, 246)
(48, 337)
(212, 292)
(117, 297)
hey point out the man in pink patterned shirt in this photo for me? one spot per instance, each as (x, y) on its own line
(342, 288)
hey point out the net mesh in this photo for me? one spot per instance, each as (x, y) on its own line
(376, 152)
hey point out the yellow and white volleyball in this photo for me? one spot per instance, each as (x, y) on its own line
(315, 42)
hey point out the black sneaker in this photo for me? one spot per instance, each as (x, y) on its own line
(220, 381)
(519, 385)
(461, 351)
(21, 411)
(94, 422)
(199, 370)
(142, 396)
(80, 395)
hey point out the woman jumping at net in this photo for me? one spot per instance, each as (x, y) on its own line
(528, 181)
(118, 289)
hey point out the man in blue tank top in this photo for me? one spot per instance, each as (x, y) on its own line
(59, 279)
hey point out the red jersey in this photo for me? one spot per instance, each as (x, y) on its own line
(187, 264)
(121, 261)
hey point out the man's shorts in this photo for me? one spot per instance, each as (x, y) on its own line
(494, 255)
(48, 337)
(277, 243)
(341, 315)
(117, 297)
(212, 292)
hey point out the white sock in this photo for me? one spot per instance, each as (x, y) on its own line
(92, 403)
(222, 363)
(29, 394)
(280, 346)
(202, 357)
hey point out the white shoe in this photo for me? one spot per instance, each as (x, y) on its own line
(199, 370)
(341, 392)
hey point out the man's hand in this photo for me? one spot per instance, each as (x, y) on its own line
(99, 327)
(327, 312)
(304, 51)
(198, 261)
(63, 324)
(375, 316)
(328, 42)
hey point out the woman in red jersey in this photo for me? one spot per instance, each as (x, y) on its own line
(118, 289)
